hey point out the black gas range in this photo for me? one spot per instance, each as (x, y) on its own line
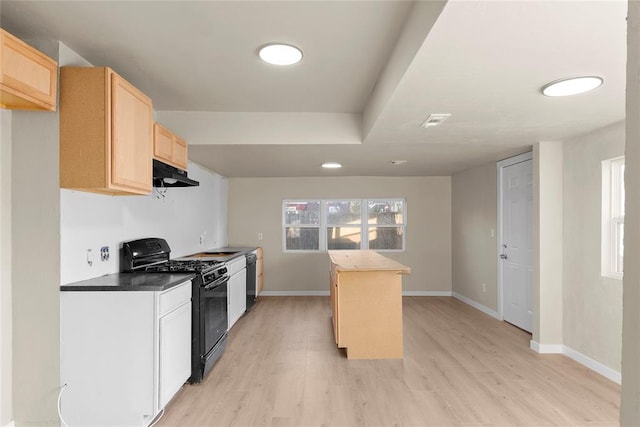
(209, 296)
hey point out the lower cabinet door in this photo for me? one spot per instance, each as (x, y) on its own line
(175, 352)
(237, 296)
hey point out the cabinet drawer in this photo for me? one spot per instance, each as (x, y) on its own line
(174, 298)
(237, 264)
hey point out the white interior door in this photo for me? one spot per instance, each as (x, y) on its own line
(516, 250)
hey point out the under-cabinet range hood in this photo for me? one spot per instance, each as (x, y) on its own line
(165, 175)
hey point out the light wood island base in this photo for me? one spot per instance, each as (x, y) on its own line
(366, 298)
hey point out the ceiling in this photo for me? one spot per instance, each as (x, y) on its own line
(372, 72)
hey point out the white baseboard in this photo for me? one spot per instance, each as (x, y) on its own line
(426, 293)
(546, 348)
(11, 424)
(476, 305)
(586, 361)
(594, 365)
(326, 293)
(294, 293)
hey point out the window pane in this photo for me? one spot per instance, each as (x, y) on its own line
(385, 238)
(302, 239)
(619, 247)
(303, 213)
(621, 179)
(344, 237)
(385, 212)
(343, 212)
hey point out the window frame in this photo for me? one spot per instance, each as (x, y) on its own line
(613, 193)
(365, 216)
(364, 223)
(285, 226)
(327, 225)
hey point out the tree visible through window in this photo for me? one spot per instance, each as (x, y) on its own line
(319, 225)
(302, 225)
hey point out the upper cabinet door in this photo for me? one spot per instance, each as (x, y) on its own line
(180, 153)
(28, 78)
(132, 137)
(169, 147)
(162, 143)
(106, 133)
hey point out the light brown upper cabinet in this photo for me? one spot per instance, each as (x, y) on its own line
(169, 147)
(106, 133)
(28, 78)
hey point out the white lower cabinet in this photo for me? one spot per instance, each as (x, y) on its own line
(123, 355)
(237, 294)
(175, 352)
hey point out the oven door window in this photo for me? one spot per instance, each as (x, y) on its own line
(213, 304)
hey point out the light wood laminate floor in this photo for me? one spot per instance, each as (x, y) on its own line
(460, 367)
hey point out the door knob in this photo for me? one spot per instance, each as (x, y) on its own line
(503, 256)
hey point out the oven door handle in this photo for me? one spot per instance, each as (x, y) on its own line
(217, 283)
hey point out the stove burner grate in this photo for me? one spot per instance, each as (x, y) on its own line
(183, 265)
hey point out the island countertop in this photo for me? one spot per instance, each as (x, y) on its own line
(367, 260)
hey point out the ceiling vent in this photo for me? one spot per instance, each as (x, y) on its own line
(435, 120)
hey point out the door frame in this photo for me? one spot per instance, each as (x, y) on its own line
(500, 166)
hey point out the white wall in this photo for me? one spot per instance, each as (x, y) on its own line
(255, 205)
(5, 268)
(630, 402)
(35, 204)
(90, 221)
(474, 231)
(547, 244)
(592, 303)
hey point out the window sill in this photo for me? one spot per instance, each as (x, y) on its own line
(612, 276)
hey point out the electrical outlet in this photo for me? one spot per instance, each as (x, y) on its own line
(89, 257)
(104, 253)
(260, 236)
(484, 288)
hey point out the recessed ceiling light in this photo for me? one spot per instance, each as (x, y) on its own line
(435, 120)
(398, 162)
(280, 54)
(331, 165)
(572, 86)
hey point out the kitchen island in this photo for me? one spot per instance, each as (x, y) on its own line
(366, 298)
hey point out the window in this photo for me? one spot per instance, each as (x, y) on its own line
(302, 225)
(385, 223)
(344, 224)
(320, 225)
(613, 217)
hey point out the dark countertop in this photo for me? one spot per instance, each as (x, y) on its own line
(209, 253)
(130, 282)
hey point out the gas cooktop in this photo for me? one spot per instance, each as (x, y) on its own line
(186, 265)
